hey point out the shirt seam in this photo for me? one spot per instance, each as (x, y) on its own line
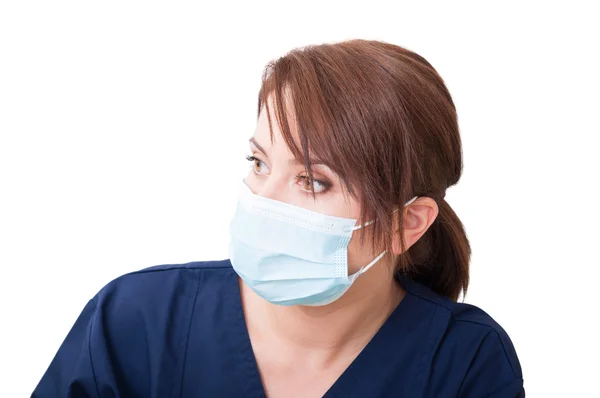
(187, 342)
(427, 354)
(462, 383)
(475, 323)
(90, 347)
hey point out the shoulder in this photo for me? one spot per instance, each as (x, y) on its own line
(158, 282)
(142, 322)
(143, 300)
(468, 343)
(132, 336)
(161, 293)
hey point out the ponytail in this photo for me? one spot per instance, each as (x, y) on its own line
(440, 258)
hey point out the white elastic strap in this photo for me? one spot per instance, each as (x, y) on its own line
(372, 221)
(363, 225)
(410, 201)
(366, 267)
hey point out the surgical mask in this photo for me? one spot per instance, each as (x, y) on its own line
(289, 255)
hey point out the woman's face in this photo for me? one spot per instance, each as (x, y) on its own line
(276, 174)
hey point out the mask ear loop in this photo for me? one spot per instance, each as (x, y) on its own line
(372, 221)
(376, 259)
(363, 225)
(372, 263)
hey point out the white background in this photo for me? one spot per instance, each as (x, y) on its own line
(123, 129)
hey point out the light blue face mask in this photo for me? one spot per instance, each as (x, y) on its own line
(289, 255)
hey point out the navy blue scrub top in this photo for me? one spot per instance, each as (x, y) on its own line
(179, 331)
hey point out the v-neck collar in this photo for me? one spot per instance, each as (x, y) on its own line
(358, 377)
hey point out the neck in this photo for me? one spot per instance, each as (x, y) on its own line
(346, 324)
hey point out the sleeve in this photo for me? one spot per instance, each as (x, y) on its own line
(495, 371)
(71, 372)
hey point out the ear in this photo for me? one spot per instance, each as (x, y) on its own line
(417, 219)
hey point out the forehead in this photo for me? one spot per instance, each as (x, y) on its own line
(320, 145)
(271, 135)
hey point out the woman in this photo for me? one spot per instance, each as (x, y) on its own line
(345, 266)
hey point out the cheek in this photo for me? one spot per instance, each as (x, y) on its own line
(337, 202)
(255, 181)
(359, 255)
(360, 250)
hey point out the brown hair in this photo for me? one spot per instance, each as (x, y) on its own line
(381, 117)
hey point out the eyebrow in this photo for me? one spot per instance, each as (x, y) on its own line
(294, 161)
(257, 145)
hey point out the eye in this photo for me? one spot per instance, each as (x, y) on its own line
(258, 166)
(307, 184)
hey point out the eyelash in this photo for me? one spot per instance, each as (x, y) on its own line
(251, 158)
(326, 184)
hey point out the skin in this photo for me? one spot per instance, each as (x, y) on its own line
(301, 351)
